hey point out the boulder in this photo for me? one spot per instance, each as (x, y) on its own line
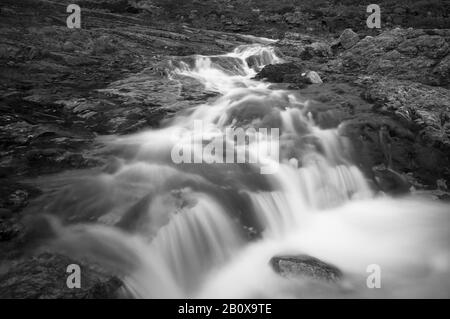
(291, 72)
(305, 266)
(280, 73)
(313, 77)
(348, 39)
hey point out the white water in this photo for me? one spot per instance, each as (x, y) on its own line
(186, 237)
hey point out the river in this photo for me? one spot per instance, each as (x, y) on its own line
(208, 229)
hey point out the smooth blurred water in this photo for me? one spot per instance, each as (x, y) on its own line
(209, 230)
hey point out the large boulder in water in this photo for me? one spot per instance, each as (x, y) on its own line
(305, 266)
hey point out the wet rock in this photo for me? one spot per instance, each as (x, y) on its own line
(44, 277)
(291, 72)
(281, 73)
(305, 266)
(256, 61)
(403, 149)
(253, 61)
(313, 77)
(425, 107)
(391, 182)
(348, 39)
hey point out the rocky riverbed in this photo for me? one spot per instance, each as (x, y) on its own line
(387, 90)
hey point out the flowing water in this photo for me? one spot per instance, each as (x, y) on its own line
(208, 229)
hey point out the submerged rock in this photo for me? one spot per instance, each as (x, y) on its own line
(305, 266)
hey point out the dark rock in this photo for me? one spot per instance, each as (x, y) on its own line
(291, 72)
(391, 182)
(9, 229)
(420, 105)
(348, 39)
(281, 73)
(403, 149)
(402, 54)
(44, 277)
(257, 61)
(305, 266)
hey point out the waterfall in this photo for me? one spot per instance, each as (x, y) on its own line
(173, 229)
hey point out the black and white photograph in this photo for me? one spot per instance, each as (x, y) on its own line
(224, 150)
